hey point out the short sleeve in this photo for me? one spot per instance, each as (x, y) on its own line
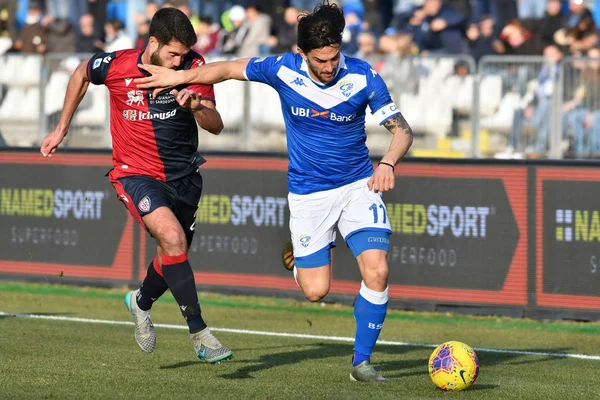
(99, 66)
(206, 92)
(263, 69)
(380, 101)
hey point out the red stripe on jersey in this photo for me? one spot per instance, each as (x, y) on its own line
(135, 150)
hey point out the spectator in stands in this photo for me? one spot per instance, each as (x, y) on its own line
(581, 36)
(116, 37)
(519, 38)
(552, 20)
(503, 11)
(98, 8)
(283, 34)
(580, 112)
(435, 28)
(32, 38)
(143, 28)
(208, 37)
(88, 40)
(372, 20)
(480, 38)
(234, 38)
(139, 12)
(531, 9)
(8, 24)
(60, 36)
(305, 5)
(183, 6)
(258, 29)
(395, 68)
(367, 47)
(214, 9)
(352, 15)
(463, 7)
(537, 111)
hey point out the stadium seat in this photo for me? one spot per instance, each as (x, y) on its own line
(229, 96)
(29, 70)
(501, 121)
(55, 91)
(10, 68)
(12, 103)
(97, 114)
(490, 94)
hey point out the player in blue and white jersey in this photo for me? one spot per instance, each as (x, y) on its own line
(331, 180)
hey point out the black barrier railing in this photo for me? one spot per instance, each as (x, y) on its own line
(497, 236)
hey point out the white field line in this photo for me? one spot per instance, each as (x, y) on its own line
(299, 336)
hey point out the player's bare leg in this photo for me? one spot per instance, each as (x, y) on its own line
(369, 311)
(314, 282)
(178, 275)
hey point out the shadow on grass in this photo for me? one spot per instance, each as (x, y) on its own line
(390, 369)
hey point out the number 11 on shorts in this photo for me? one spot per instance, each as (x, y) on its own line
(375, 213)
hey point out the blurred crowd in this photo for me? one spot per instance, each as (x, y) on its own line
(260, 27)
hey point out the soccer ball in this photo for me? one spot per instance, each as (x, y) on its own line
(453, 366)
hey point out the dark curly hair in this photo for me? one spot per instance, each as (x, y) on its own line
(323, 27)
(171, 24)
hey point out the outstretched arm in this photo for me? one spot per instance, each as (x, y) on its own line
(163, 78)
(383, 179)
(76, 89)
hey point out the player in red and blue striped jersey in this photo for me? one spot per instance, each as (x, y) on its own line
(332, 183)
(155, 164)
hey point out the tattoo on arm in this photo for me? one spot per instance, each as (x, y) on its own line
(398, 121)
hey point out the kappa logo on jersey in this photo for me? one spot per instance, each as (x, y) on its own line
(135, 96)
(346, 87)
(327, 114)
(299, 82)
(199, 62)
(144, 204)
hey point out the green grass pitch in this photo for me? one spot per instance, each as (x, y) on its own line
(50, 359)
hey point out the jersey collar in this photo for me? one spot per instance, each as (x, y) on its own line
(341, 66)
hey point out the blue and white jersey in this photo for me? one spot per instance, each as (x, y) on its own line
(325, 123)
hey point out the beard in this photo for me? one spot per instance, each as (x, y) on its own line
(322, 78)
(155, 59)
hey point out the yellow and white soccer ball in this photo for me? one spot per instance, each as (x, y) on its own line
(453, 366)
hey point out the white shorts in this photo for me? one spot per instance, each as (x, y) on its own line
(352, 208)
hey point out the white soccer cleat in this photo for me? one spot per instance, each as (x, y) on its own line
(145, 335)
(208, 348)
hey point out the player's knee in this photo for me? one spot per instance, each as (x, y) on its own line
(375, 273)
(315, 291)
(315, 294)
(172, 240)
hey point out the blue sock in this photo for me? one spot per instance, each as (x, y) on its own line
(369, 312)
